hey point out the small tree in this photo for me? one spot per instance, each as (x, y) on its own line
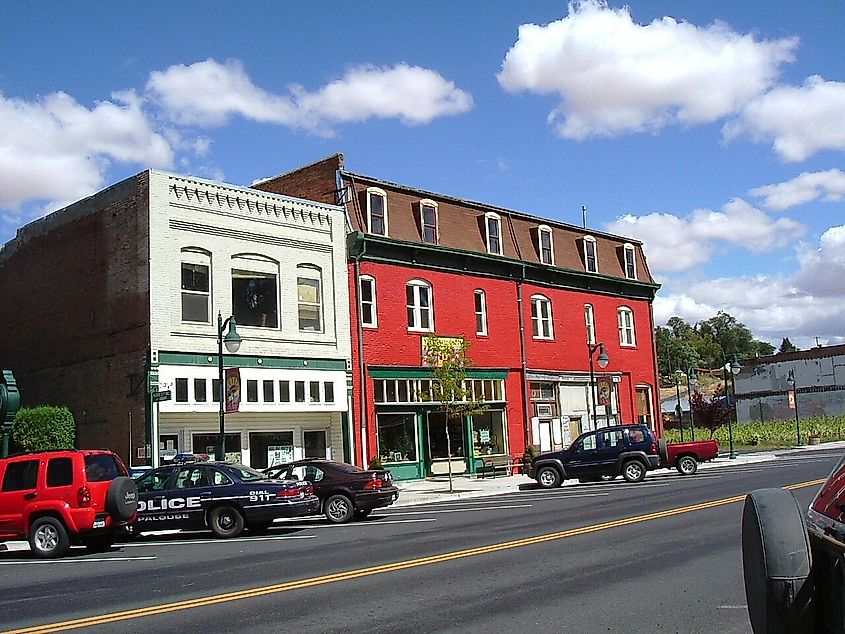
(44, 427)
(787, 346)
(447, 358)
(709, 413)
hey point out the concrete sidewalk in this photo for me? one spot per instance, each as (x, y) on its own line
(463, 487)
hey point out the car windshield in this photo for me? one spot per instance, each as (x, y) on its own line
(101, 467)
(246, 474)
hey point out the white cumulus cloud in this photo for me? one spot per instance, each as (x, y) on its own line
(614, 76)
(828, 186)
(800, 120)
(208, 93)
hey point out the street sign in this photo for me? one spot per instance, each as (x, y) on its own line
(161, 396)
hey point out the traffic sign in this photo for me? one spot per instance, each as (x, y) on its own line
(161, 396)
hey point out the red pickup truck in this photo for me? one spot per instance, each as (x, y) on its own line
(685, 456)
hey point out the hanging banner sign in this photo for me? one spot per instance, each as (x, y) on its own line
(603, 386)
(791, 399)
(233, 389)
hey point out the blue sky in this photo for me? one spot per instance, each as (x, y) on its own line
(713, 131)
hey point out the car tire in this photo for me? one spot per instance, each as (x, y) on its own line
(662, 451)
(225, 522)
(338, 509)
(362, 513)
(548, 477)
(776, 564)
(99, 543)
(48, 538)
(686, 465)
(122, 498)
(633, 471)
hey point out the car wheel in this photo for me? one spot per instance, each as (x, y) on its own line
(362, 513)
(338, 509)
(48, 538)
(662, 451)
(225, 522)
(633, 471)
(548, 477)
(687, 465)
(776, 563)
(99, 543)
(122, 498)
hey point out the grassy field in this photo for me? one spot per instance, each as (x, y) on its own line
(770, 434)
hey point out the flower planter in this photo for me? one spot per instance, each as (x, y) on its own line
(814, 440)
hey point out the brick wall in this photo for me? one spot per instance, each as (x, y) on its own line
(314, 182)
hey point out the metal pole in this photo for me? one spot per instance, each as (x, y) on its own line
(593, 387)
(726, 370)
(680, 410)
(221, 439)
(689, 400)
(732, 415)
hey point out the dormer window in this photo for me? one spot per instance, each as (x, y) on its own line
(544, 245)
(493, 229)
(428, 221)
(591, 262)
(630, 262)
(377, 211)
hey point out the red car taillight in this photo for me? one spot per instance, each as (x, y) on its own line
(288, 493)
(83, 496)
(375, 483)
(309, 490)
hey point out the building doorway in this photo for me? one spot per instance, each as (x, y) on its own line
(438, 453)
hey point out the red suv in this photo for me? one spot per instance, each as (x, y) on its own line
(63, 497)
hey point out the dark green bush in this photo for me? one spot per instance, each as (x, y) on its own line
(44, 427)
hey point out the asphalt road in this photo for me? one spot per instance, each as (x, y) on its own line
(660, 556)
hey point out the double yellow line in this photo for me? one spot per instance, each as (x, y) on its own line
(375, 570)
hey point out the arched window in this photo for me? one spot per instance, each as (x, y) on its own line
(377, 211)
(309, 292)
(493, 233)
(196, 285)
(591, 260)
(541, 317)
(419, 305)
(480, 312)
(367, 300)
(545, 246)
(626, 326)
(428, 221)
(589, 319)
(255, 290)
(630, 261)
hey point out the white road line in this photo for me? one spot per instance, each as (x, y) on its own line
(74, 561)
(182, 542)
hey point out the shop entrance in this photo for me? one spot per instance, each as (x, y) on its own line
(438, 453)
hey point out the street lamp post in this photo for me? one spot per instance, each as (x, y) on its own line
(680, 410)
(791, 380)
(731, 368)
(603, 360)
(692, 381)
(233, 341)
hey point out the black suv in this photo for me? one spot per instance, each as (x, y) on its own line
(626, 450)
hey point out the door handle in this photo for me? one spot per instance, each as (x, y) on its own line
(30, 496)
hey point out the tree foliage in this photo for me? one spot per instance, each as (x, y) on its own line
(787, 346)
(706, 344)
(44, 427)
(709, 413)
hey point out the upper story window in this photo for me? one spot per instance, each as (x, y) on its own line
(377, 211)
(428, 221)
(367, 299)
(630, 262)
(480, 312)
(309, 294)
(196, 285)
(591, 261)
(541, 317)
(589, 319)
(493, 230)
(420, 312)
(544, 245)
(255, 291)
(626, 327)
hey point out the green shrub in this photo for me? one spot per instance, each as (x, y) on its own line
(44, 427)
(375, 463)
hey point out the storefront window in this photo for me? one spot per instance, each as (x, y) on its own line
(397, 437)
(315, 444)
(270, 449)
(207, 444)
(488, 433)
(437, 436)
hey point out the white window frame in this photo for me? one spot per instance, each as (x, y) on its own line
(310, 272)
(417, 310)
(542, 326)
(480, 299)
(196, 257)
(372, 303)
(376, 191)
(427, 202)
(627, 333)
(590, 322)
(590, 241)
(545, 230)
(247, 263)
(628, 251)
(488, 218)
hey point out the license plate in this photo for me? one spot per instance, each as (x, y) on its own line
(99, 524)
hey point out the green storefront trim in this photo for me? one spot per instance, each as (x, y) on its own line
(425, 373)
(255, 361)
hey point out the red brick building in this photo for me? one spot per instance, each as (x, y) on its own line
(538, 300)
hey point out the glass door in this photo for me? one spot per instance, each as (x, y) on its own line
(439, 446)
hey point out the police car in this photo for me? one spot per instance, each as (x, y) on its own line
(222, 497)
